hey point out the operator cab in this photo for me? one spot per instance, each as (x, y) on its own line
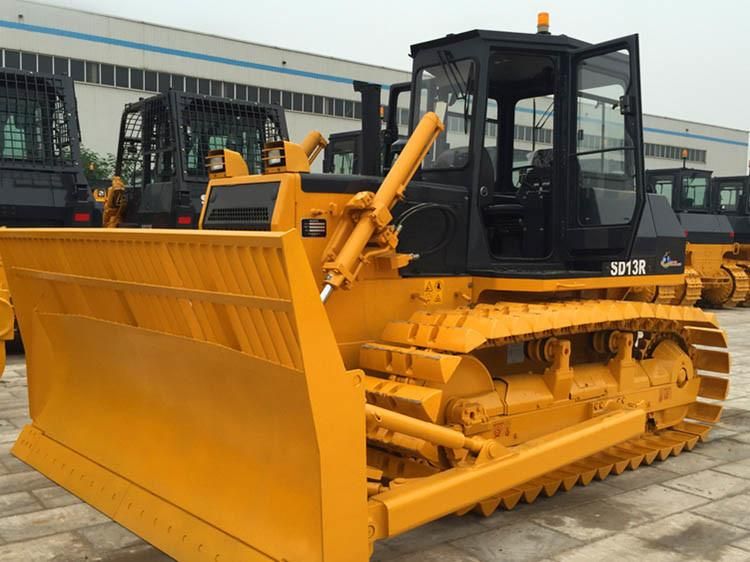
(539, 171)
(544, 138)
(688, 191)
(731, 197)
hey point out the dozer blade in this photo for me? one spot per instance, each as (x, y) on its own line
(188, 385)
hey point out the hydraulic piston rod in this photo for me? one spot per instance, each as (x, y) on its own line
(439, 435)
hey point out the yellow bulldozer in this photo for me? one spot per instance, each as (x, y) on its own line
(731, 198)
(42, 181)
(334, 360)
(714, 274)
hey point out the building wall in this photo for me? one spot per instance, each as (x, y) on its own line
(73, 36)
(94, 47)
(726, 149)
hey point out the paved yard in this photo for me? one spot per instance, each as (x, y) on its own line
(690, 508)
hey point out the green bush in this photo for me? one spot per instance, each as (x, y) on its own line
(96, 166)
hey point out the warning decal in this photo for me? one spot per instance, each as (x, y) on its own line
(433, 291)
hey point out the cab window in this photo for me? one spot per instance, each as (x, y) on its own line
(34, 129)
(663, 186)
(729, 196)
(447, 89)
(533, 137)
(344, 156)
(694, 193)
(14, 139)
(605, 150)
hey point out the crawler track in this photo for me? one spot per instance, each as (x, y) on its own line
(418, 352)
(732, 293)
(690, 292)
(745, 267)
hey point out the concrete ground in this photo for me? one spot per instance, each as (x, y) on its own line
(689, 508)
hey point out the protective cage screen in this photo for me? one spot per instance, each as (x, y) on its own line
(147, 149)
(34, 121)
(210, 124)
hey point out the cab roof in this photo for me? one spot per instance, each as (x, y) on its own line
(678, 170)
(543, 40)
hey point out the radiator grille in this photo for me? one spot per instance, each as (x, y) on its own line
(240, 218)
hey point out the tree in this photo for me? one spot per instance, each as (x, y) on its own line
(95, 166)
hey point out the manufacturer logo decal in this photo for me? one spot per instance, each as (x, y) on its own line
(667, 262)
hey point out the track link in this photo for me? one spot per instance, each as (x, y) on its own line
(690, 292)
(745, 267)
(662, 294)
(735, 292)
(741, 283)
(630, 455)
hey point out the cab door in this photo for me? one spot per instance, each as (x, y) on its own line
(605, 164)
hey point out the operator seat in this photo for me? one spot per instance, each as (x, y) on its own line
(540, 174)
(518, 223)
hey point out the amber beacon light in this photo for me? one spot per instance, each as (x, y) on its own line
(542, 22)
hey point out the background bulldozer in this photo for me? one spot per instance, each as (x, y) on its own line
(370, 150)
(731, 197)
(360, 356)
(712, 273)
(41, 178)
(160, 175)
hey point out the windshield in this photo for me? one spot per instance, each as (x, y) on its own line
(694, 194)
(446, 89)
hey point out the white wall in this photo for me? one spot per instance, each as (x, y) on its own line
(99, 112)
(726, 149)
(160, 36)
